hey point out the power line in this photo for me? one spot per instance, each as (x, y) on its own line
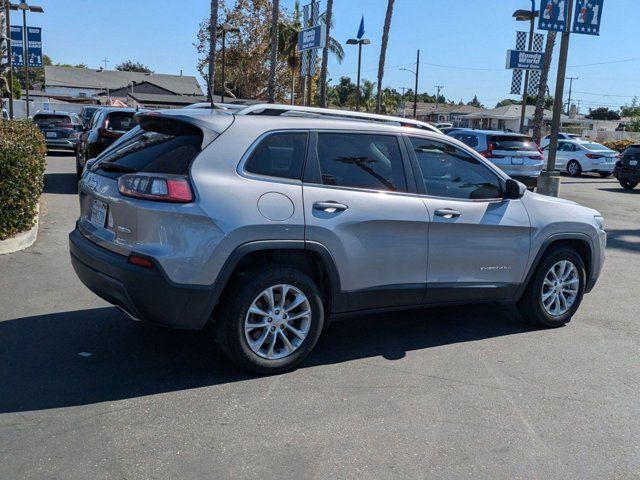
(605, 63)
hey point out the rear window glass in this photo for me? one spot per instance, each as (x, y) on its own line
(468, 139)
(279, 155)
(45, 119)
(594, 146)
(513, 144)
(158, 146)
(632, 153)
(121, 121)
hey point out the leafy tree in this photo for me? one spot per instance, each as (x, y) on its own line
(632, 109)
(345, 89)
(475, 102)
(131, 66)
(603, 113)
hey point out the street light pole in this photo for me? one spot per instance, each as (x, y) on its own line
(25, 38)
(224, 28)
(360, 42)
(549, 182)
(8, 33)
(571, 79)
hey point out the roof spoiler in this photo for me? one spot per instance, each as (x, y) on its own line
(208, 134)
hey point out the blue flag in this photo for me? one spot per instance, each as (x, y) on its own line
(361, 29)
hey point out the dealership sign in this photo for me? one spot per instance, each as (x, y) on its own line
(34, 46)
(524, 60)
(313, 37)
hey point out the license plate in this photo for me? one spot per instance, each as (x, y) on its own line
(98, 213)
(51, 134)
(633, 163)
(517, 161)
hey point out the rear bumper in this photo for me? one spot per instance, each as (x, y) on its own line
(143, 293)
(60, 143)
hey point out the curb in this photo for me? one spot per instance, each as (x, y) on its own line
(22, 240)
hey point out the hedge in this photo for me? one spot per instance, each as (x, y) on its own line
(22, 164)
(619, 145)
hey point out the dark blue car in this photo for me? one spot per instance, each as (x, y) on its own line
(61, 130)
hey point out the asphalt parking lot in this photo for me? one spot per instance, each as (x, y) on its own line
(467, 392)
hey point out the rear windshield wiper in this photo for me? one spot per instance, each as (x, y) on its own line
(114, 167)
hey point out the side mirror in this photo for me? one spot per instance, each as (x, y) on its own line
(513, 189)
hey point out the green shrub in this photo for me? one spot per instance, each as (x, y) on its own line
(22, 163)
(619, 145)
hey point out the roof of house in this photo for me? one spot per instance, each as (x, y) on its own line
(510, 112)
(168, 99)
(113, 79)
(428, 108)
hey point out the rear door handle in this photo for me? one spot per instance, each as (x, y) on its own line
(447, 213)
(330, 207)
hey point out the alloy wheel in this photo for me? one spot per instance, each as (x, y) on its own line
(560, 288)
(277, 322)
(573, 168)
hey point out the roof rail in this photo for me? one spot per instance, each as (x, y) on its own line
(274, 110)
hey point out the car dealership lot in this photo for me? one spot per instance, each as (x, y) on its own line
(443, 393)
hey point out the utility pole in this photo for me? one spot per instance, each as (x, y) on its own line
(415, 93)
(439, 87)
(7, 5)
(549, 181)
(571, 79)
(105, 60)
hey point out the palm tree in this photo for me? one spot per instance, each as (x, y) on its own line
(538, 117)
(275, 13)
(367, 98)
(213, 28)
(325, 56)
(288, 42)
(383, 52)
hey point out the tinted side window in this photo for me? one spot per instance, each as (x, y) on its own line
(279, 155)
(448, 171)
(467, 139)
(361, 161)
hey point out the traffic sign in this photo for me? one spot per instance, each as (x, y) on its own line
(313, 37)
(554, 15)
(524, 60)
(587, 17)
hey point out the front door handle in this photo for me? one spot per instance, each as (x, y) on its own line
(447, 213)
(330, 207)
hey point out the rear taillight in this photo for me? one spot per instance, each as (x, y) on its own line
(536, 157)
(65, 125)
(488, 153)
(151, 187)
(593, 155)
(109, 133)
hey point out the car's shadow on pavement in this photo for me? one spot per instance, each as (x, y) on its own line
(635, 191)
(60, 183)
(624, 239)
(97, 355)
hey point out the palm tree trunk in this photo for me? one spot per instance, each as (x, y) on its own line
(383, 52)
(538, 117)
(325, 56)
(213, 27)
(274, 51)
(293, 85)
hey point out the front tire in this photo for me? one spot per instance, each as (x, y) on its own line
(270, 321)
(627, 184)
(555, 291)
(574, 168)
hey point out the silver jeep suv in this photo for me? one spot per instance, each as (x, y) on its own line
(268, 226)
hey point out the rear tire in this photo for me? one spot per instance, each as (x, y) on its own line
(537, 304)
(289, 349)
(605, 174)
(574, 168)
(627, 184)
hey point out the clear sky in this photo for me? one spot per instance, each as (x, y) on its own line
(463, 43)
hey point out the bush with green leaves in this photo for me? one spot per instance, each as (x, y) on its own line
(22, 163)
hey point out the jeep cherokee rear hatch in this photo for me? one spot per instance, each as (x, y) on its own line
(138, 191)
